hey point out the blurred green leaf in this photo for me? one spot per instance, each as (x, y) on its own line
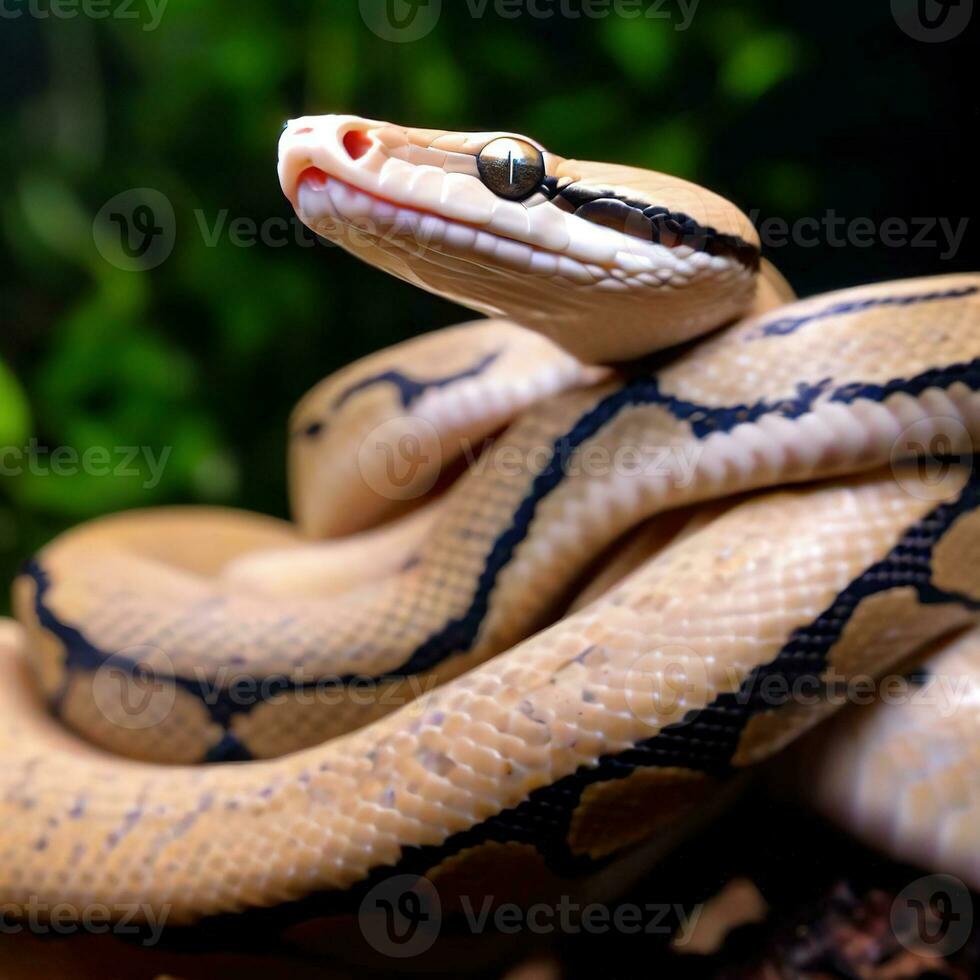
(14, 411)
(582, 117)
(247, 59)
(790, 187)
(674, 147)
(643, 49)
(53, 214)
(333, 56)
(439, 86)
(759, 63)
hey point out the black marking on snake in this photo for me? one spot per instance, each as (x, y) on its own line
(458, 635)
(83, 656)
(411, 389)
(704, 741)
(653, 223)
(222, 704)
(790, 324)
(705, 420)
(919, 676)
(312, 430)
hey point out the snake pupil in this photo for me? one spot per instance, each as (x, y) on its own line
(511, 168)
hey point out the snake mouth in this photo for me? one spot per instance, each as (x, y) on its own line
(341, 211)
(364, 184)
(314, 175)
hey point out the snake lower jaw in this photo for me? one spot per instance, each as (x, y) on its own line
(346, 214)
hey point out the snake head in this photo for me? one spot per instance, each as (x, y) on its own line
(611, 262)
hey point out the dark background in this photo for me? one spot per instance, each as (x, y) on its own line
(790, 110)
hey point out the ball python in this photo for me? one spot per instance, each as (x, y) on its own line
(557, 575)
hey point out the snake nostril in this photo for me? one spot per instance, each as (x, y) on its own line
(356, 143)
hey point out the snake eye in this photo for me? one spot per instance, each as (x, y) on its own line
(511, 168)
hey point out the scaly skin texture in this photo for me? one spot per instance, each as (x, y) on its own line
(449, 390)
(773, 407)
(201, 841)
(551, 751)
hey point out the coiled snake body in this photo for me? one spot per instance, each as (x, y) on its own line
(448, 706)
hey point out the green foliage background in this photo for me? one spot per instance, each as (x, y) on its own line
(789, 110)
